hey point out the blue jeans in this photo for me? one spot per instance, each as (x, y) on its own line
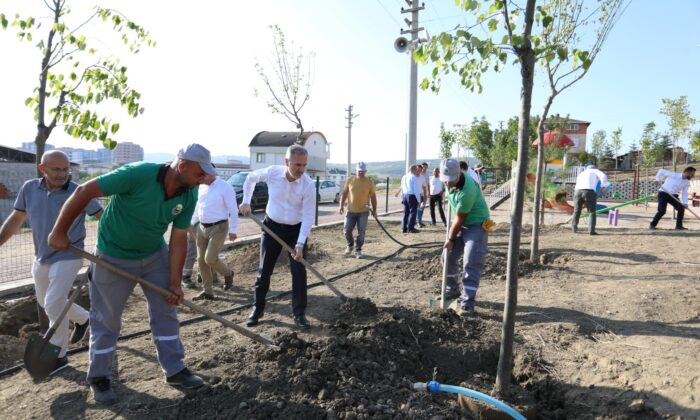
(472, 242)
(420, 210)
(410, 205)
(352, 219)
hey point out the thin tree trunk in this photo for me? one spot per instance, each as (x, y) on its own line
(539, 181)
(527, 66)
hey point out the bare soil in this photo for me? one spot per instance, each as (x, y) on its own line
(607, 327)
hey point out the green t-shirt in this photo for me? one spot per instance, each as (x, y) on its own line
(469, 199)
(138, 215)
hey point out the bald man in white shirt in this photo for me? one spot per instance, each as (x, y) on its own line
(290, 213)
(674, 183)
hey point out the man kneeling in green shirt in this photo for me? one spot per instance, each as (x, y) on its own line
(145, 199)
(467, 235)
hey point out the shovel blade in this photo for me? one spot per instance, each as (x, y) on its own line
(40, 357)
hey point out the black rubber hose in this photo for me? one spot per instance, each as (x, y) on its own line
(224, 312)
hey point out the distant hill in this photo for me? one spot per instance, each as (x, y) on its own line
(226, 158)
(391, 168)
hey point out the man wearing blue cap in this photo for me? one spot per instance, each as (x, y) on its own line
(585, 192)
(359, 191)
(145, 199)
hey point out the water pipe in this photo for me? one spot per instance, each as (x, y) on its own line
(435, 387)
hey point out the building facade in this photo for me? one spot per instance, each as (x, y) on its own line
(269, 148)
(127, 152)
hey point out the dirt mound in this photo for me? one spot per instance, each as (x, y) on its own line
(13, 316)
(11, 351)
(358, 308)
(362, 369)
(246, 258)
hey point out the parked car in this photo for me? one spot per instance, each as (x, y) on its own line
(328, 191)
(260, 195)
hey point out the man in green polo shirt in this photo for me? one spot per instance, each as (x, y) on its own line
(467, 236)
(145, 199)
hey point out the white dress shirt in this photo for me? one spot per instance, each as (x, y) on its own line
(410, 185)
(472, 173)
(588, 179)
(674, 184)
(290, 203)
(217, 202)
(436, 186)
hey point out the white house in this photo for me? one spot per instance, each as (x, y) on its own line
(338, 175)
(268, 148)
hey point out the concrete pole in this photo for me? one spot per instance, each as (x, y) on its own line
(414, 30)
(349, 127)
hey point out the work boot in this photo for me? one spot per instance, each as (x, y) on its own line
(79, 331)
(187, 282)
(574, 228)
(254, 317)
(102, 390)
(467, 311)
(348, 250)
(61, 363)
(681, 228)
(652, 227)
(302, 322)
(593, 233)
(358, 254)
(228, 281)
(185, 379)
(204, 296)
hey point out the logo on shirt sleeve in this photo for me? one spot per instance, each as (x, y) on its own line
(177, 210)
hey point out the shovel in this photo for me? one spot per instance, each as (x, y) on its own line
(40, 356)
(289, 249)
(681, 203)
(165, 292)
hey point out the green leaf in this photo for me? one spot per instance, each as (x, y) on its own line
(562, 53)
(3, 21)
(425, 83)
(517, 40)
(493, 25)
(114, 128)
(547, 21)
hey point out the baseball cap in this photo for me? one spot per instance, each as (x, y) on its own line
(449, 170)
(361, 167)
(198, 153)
(589, 166)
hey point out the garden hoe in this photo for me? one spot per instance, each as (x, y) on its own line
(40, 356)
(165, 292)
(289, 249)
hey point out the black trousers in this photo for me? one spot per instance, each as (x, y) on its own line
(664, 200)
(436, 199)
(269, 252)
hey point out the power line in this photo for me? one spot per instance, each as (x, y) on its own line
(389, 13)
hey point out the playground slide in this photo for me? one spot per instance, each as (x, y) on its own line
(559, 203)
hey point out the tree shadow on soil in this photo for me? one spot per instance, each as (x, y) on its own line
(636, 257)
(591, 324)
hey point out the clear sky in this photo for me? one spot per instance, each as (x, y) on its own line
(198, 83)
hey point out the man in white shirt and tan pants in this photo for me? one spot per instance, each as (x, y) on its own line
(668, 193)
(585, 191)
(217, 213)
(289, 214)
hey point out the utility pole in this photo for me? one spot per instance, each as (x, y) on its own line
(349, 127)
(413, 9)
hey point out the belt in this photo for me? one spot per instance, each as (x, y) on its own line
(206, 225)
(281, 225)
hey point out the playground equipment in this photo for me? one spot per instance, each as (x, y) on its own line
(617, 206)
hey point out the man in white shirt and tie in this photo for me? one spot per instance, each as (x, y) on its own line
(668, 193)
(289, 214)
(217, 213)
(585, 191)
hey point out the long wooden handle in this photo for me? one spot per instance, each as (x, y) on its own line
(165, 292)
(52, 330)
(289, 249)
(681, 203)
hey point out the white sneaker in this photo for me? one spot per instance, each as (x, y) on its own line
(358, 254)
(348, 250)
